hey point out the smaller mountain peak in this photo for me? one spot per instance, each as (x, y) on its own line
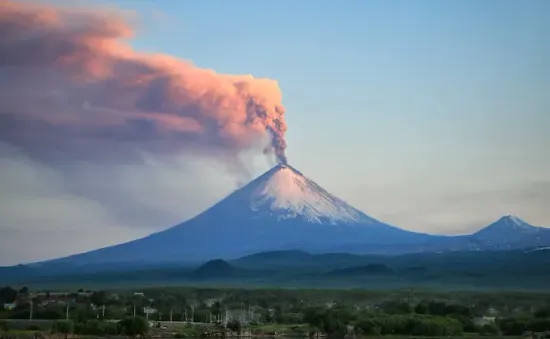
(508, 225)
(510, 230)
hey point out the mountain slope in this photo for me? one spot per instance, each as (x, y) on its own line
(279, 209)
(284, 210)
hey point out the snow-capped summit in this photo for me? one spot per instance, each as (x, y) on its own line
(285, 193)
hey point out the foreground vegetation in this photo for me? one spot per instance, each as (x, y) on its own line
(130, 326)
(194, 312)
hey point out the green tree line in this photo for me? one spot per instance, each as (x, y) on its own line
(129, 326)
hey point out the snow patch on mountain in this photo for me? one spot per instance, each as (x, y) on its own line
(546, 248)
(286, 193)
(513, 222)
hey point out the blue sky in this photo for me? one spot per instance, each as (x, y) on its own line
(429, 115)
(369, 81)
(430, 95)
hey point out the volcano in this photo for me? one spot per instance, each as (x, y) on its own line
(281, 209)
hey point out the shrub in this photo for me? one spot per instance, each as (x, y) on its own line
(489, 330)
(133, 326)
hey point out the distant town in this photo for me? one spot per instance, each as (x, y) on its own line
(208, 312)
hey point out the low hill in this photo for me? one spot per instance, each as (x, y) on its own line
(299, 259)
(215, 269)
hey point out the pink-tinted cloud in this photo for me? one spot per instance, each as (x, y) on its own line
(70, 83)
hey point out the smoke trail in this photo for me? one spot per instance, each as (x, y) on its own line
(70, 85)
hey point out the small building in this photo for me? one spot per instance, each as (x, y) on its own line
(86, 294)
(242, 316)
(55, 297)
(149, 310)
(484, 321)
(9, 306)
(211, 302)
(492, 312)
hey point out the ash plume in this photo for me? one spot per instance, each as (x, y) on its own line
(71, 85)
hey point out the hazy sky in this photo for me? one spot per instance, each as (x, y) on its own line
(429, 115)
